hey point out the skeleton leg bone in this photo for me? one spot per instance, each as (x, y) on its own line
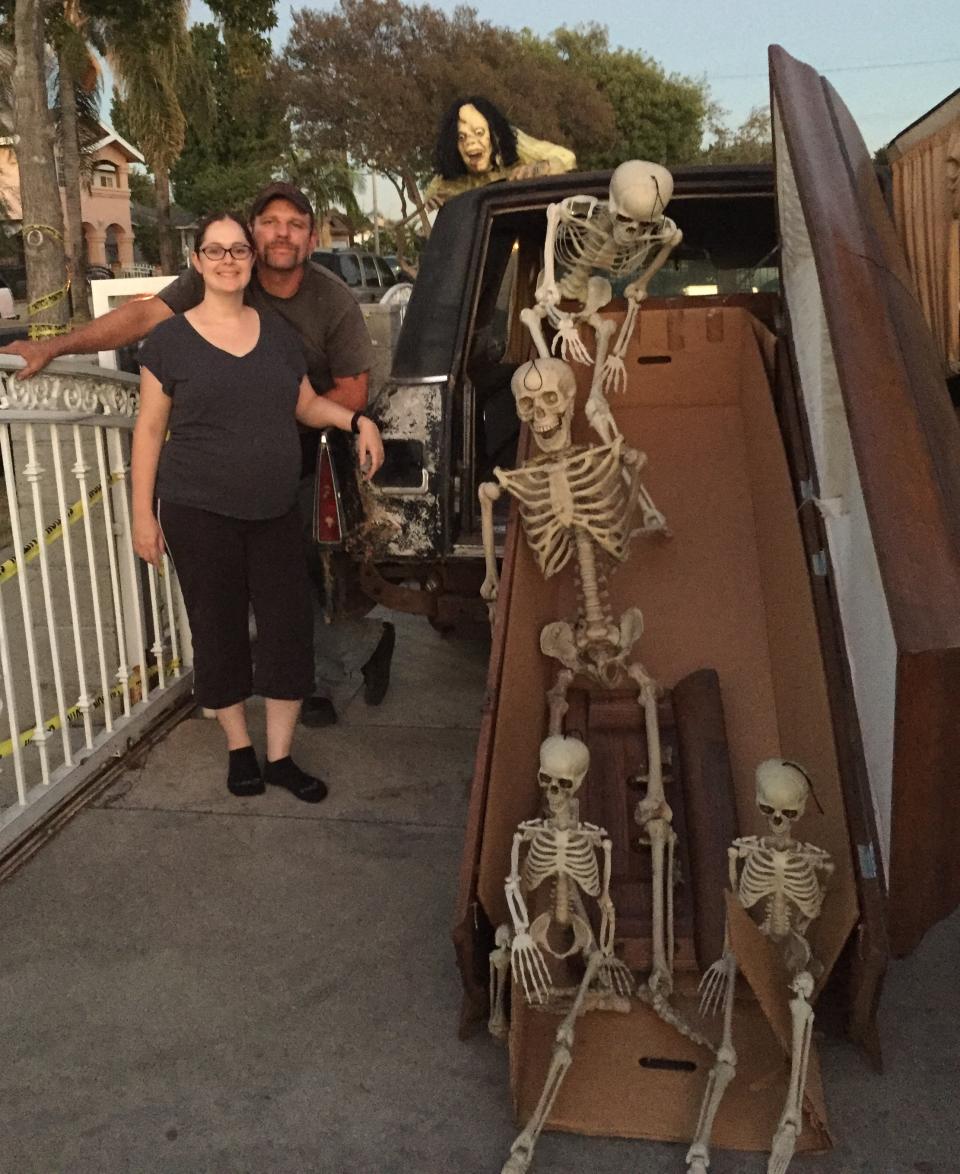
(791, 1120)
(654, 816)
(521, 1152)
(723, 1071)
(557, 701)
(499, 977)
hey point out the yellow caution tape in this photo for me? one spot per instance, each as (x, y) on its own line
(74, 714)
(39, 330)
(51, 533)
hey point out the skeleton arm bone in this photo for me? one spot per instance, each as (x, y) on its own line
(489, 492)
(597, 410)
(526, 957)
(608, 916)
(635, 293)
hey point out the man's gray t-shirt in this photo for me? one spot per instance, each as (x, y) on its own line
(323, 312)
(233, 446)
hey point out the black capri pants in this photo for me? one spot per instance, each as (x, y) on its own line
(224, 565)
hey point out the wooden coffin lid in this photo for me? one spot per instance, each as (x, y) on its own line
(906, 443)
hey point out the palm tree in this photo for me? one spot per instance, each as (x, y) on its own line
(148, 48)
(326, 177)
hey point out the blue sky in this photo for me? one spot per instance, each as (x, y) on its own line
(889, 63)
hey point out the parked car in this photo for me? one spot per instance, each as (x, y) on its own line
(366, 274)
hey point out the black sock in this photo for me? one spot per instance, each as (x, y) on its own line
(285, 773)
(243, 765)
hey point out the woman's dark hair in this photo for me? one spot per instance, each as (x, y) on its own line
(213, 218)
(503, 139)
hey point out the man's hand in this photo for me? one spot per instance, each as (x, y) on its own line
(369, 448)
(35, 355)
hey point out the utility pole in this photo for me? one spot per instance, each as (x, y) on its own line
(376, 213)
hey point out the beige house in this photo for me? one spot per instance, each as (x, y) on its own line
(105, 208)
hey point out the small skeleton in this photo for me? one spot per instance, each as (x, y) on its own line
(562, 850)
(784, 881)
(619, 235)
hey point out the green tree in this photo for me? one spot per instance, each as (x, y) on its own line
(750, 142)
(373, 78)
(657, 116)
(325, 176)
(237, 131)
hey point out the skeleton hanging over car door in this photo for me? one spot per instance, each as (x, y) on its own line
(626, 235)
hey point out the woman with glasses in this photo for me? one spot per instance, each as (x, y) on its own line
(215, 470)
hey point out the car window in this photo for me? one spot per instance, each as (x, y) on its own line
(350, 269)
(369, 270)
(387, 276)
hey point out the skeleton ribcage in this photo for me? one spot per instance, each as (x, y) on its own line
(584, 490)
(786, 880)
(569, 853)
(585, 242)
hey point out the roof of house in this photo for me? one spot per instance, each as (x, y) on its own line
(942, 115)
(111, 136)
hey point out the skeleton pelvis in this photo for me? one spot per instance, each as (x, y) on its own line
(561, 940)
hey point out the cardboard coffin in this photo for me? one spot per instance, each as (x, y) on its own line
(729, 591)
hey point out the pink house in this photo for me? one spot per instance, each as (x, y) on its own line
(105, 207)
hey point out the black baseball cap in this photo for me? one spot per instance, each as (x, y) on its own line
(281, 191)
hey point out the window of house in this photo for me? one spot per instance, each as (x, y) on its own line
(106, 175)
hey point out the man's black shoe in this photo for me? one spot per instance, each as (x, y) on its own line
(376, 672)
(317, 712)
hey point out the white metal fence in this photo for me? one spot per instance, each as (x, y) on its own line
(94, 644)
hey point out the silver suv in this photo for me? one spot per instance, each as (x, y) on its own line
(368, 276)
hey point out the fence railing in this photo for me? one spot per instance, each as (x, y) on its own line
(94, 644)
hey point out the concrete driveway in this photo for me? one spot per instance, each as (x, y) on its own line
(190, 982)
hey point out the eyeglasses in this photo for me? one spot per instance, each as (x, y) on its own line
(218, 252)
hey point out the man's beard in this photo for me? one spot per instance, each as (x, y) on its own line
(272, 257)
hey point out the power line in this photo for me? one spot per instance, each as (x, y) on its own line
(727, 77)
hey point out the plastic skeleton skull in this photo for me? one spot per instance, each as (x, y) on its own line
(544, 391)
(782, 792)
(563, 765)
(639, 194)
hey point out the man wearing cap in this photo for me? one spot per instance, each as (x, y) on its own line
(327, 317)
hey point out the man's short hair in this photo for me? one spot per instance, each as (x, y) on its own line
(281, 191)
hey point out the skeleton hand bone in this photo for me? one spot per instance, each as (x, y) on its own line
(571, 346)
(714, 983)
(530, 965)
(616, 975)
(614, 375)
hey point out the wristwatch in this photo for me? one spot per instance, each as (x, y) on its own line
(355, 422)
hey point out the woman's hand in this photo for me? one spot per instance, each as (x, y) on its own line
(369, 447)
(148, 539)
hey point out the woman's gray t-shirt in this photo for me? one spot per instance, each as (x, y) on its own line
(233, 447)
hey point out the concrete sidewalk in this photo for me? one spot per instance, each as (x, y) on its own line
(194, 983)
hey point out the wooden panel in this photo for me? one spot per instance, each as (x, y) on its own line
(907, 447)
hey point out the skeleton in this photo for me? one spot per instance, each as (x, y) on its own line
(562, 850)
(619, 235)
(580, 503)
(784, 881)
